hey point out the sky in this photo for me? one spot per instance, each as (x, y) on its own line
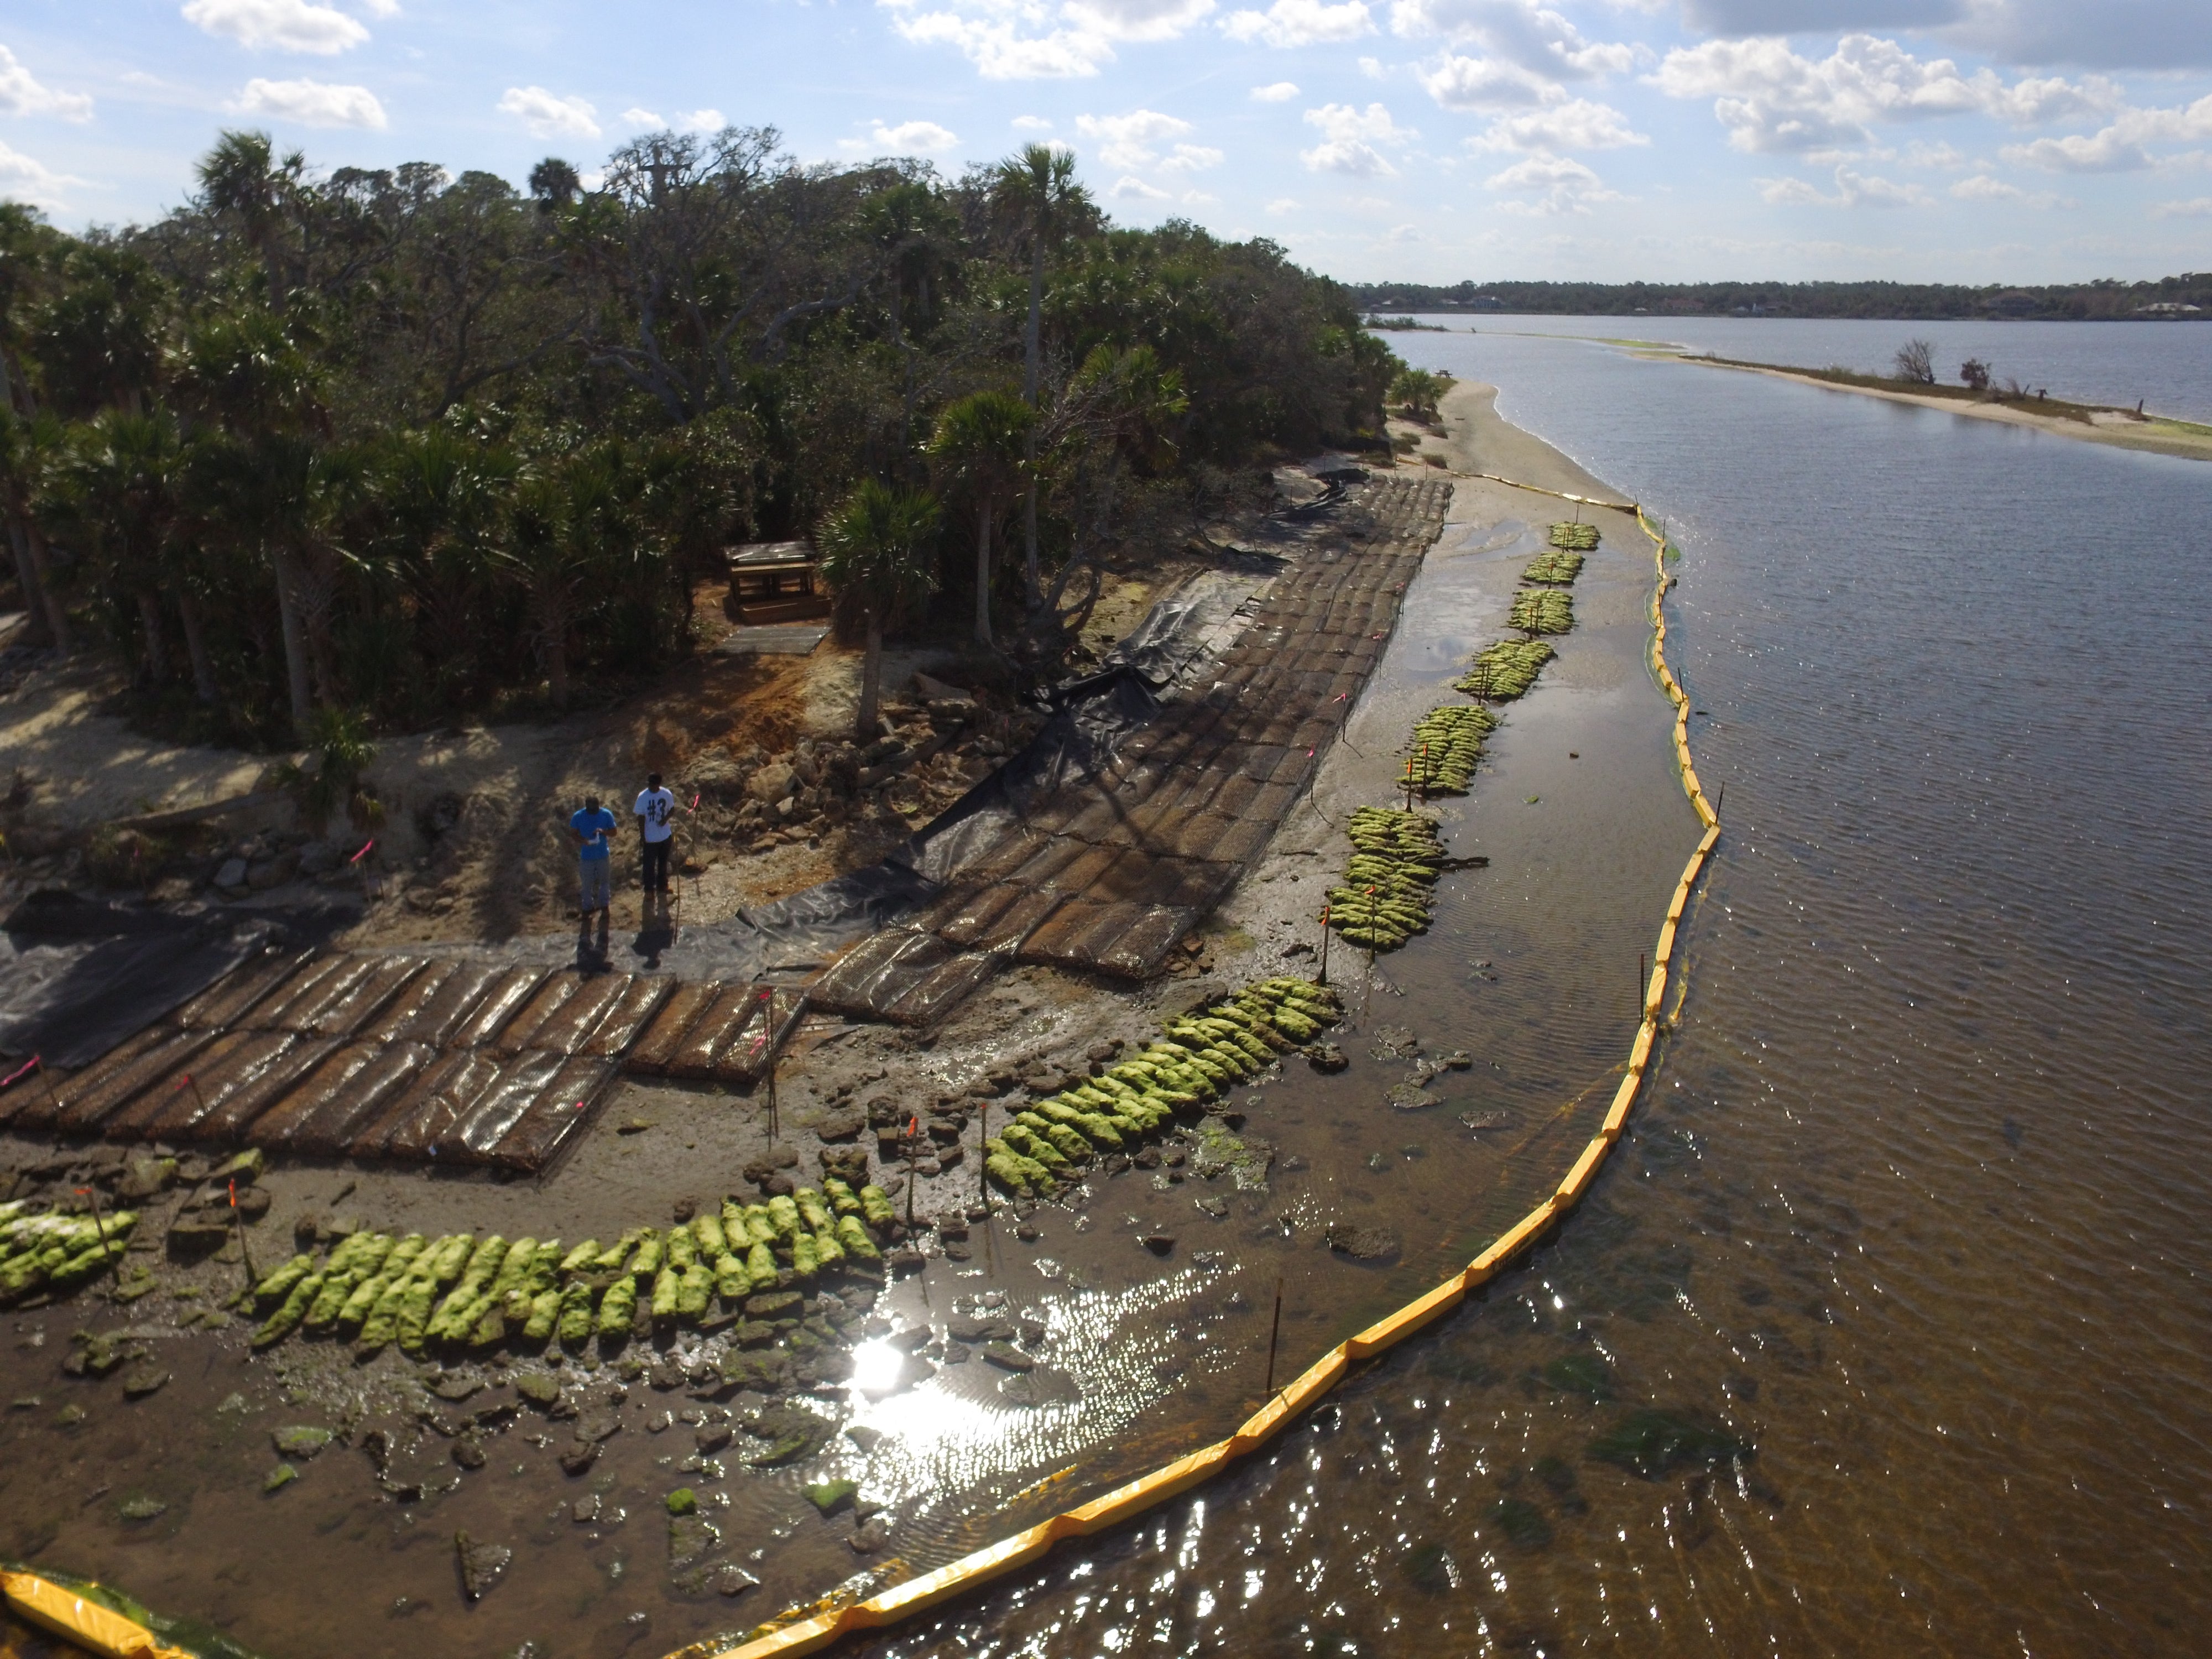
(1981, 141)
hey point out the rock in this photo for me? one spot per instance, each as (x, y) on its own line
(1027, 1231)
(455, 1386)
(691, 1537)
(245, 1168)
(481, 1565)
(731, 1579)
(954, 1353)
(1410, 1098)
(142, 1508)
(1458, 1060)
(144, 1177)
(1363, 1243)
(584, 1510)
(713, 1436)
(579, 1457)
(1480, 1120)
(1008, 1357)
(848, 1164)
(773, 784)
(537, 1388)
(1394, 1042)
(301, 1441)
(279, 1477)
(468, 1452)
(1326, 1057)
(600, 1426)
(1158, 1243)
(69, 1417)
(142, 1379)
(231, 876)
(775, 1304)
(844, 1124)
(830, 1496)
(870, 1535)
(1019, 1391)
(866, 1439)
(1214, 1205)
(320, 858)
(683, 1501)
(793, 1435)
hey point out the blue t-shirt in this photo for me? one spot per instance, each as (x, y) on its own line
(596, 824)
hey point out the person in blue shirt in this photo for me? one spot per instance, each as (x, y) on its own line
(593, 828)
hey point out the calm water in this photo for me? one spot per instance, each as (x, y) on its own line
(1886, 1333)
(2168, 365)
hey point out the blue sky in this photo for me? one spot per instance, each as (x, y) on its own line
(1427, 140)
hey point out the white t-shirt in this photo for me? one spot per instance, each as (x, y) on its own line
(656, 807)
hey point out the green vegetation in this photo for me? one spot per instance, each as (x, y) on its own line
(1505, 670)
(1553, 567)
(1576, 537)
(1447, 746)
(1384, 897)
(410, 444)
(1199, 1057)
(1543, 611)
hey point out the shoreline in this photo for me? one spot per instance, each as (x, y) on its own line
(2153, 433)
(1254, 934)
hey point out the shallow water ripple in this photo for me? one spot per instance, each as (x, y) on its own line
(1885, 1333)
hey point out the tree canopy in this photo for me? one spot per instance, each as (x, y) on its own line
(410, 443)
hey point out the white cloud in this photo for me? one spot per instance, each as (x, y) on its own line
(381, 8)
(1284, 204)
(1029, 40)
(908, 139)
(1523, 31)
(1301, 23)
(634, 117)
(23, 180)
(1919, 155)
(20, 93)
(1487, 83)
(2119, 147)
(1372, 68)
(1030, 123)
(1125, 141)
(1348, 139)
(1983, 188)
(1771, 98)
(1192, 158)
(548, 116)
(1581, 125)
(1129, 188)
(708, 120)
(1403, 234)
(287, 25)
(1198, 198)
(1281, 93)
(1559, 183)
(1853, 190)
(2198, 208)
(310, 103)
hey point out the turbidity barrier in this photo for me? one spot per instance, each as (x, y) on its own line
(71, 1611)
(803, 1632)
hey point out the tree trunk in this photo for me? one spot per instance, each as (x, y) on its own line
(983, 571)
(203, 685)
(150, 618)
(871, 674)
(1032, 349)
(27, 578)
(295, 640)
(58, 623)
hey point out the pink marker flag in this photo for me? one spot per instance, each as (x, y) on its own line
(363, 854)
(27, 1066)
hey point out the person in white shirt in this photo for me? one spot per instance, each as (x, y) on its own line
(656, 813)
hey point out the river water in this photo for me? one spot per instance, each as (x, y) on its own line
(2168, 366)
(1886, 1329)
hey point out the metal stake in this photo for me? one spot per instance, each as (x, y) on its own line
(1323, 980)
(913, 1136)
(98, 1223)
(768, 1036)
(238, 1229)
(983, 1158)
(1722, 796)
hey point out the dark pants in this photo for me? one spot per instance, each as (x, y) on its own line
(656, 865)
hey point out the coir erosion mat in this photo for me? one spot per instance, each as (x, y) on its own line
(1111, 872)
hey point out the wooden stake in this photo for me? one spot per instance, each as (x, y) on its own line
(1323, 980)
(98, 1225)
(983, 1158)
(238, 1229)
(1275, 1330)
(913, 1135)
(768, 1036)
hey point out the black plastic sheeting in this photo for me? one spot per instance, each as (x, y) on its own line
(1091, 718)
(77, 976)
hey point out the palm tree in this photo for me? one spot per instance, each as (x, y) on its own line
(1037, 189)
(567, 519)
(874, 551)
(982, 437)
(27, 449)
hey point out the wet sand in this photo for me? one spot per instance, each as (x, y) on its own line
(1529, 969)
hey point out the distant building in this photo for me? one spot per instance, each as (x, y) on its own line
(2168, 308)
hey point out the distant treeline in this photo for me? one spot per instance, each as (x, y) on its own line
(2103, 300)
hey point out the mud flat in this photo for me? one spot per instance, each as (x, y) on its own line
(1027, 1352)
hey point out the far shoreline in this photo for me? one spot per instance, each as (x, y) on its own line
(2125, 430)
